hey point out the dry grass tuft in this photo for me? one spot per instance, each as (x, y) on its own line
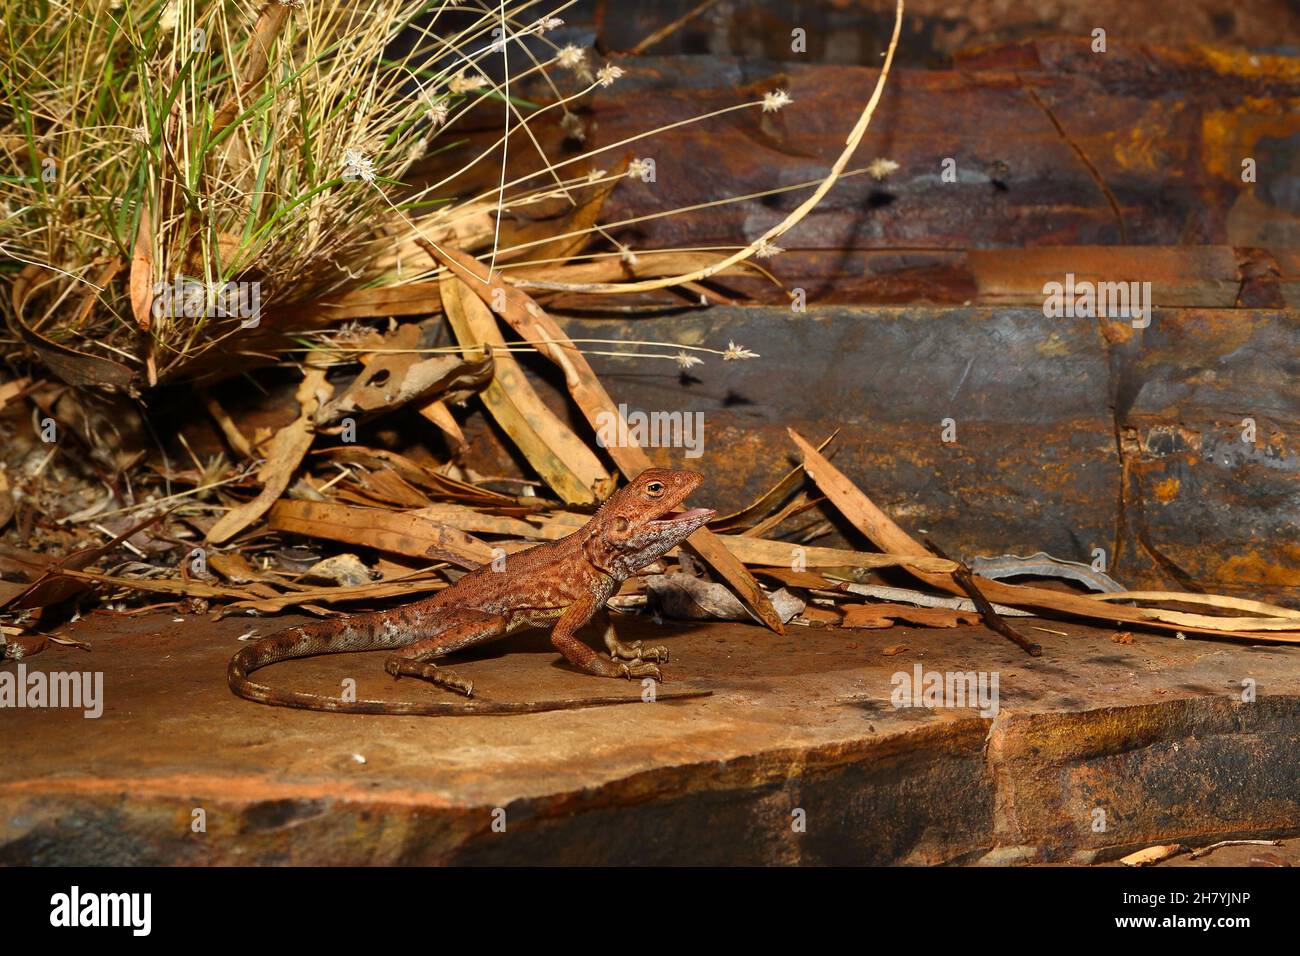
(221, 142)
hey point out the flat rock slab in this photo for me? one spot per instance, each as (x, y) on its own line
(800, 756)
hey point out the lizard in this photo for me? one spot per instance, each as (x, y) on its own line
(563, 583)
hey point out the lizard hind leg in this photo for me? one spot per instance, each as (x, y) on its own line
(564, 639)
(464, 628)
(438, 676)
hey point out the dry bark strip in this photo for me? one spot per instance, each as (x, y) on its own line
(468, 519)
(528, 319)
(766, 551)
(550, 277)
(1153, 854)
(575, 229)
(885, 615)
(1262, 608)
(71, 366)
(390, 531)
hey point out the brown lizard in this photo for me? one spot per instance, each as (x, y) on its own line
(563, 583)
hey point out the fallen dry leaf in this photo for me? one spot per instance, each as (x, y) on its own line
(764, 503)
(437, 412)
(397, 374)
(572, 229)
(21, 646)
(141, 281)
(560, 457)
(379, 459)
(1152, 854)
(283, 457)
(390, 488)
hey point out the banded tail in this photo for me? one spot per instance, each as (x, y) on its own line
(367, 632)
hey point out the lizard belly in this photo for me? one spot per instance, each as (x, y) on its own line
(520, 618)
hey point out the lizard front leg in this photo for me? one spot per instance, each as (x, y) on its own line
(461, 628)
(564, 639)
(629, 652)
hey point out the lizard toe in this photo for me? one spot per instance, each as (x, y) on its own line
(644, 669)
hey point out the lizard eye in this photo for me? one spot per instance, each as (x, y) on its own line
(655, 489)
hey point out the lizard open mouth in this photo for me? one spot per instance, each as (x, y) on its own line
(694, 514)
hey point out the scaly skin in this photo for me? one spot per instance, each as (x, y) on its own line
(562, 583)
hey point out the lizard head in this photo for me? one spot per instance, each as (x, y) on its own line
(641, 521)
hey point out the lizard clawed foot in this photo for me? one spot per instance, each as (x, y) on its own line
(403, 667)
(636, 652)
(639, 668)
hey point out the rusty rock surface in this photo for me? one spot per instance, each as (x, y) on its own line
(840, 31)
(1040, 143)
(1153, 734)
(1048, 143)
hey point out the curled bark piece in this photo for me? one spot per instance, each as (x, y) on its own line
(690, 598)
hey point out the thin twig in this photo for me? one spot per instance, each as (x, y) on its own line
(670, 29)
(1205, 850)
(992, 619)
